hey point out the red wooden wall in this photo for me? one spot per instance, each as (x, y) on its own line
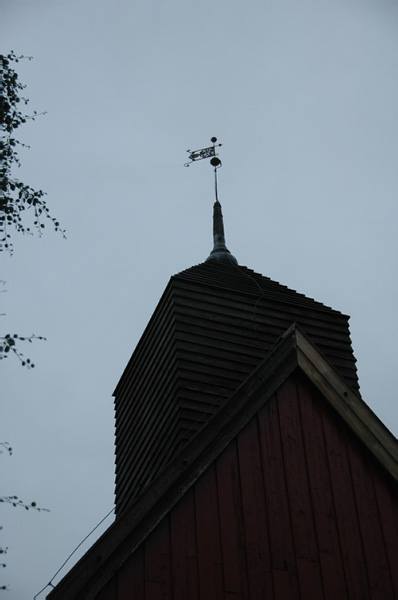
(295, 507)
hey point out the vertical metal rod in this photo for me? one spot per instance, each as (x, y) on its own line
(215, 181)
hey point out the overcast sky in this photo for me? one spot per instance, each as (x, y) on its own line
(304, 97)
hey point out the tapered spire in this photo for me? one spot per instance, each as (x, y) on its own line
(220, 251)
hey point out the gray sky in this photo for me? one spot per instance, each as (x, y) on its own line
(304, 97)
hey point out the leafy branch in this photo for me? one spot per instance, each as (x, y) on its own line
(3, 551)
(15, 501)
(8, 344)
(7, 446)
(15, 196)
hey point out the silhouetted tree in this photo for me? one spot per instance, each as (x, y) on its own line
(16, 197)
(14, 501)
(18, 201)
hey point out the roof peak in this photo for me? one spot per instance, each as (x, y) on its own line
(220, 251)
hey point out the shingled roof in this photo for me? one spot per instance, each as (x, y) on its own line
(213, 326)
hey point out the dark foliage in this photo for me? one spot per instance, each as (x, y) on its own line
(15, 501)
(8, 344)
(15, 196)
(21, 207)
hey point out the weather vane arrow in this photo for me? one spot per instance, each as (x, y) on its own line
(210, 152)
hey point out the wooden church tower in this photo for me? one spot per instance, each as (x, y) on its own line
(247, 465)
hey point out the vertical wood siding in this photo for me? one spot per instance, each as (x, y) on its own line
(294, 507)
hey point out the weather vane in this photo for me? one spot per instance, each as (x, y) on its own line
(209, 152)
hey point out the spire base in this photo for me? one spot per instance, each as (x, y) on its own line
(220, 251)
(222, 256)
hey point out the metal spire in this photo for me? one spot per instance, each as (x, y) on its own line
(220, 251)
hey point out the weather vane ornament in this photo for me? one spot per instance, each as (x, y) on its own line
(210, 152)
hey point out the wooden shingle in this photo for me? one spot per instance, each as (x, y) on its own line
(212, 327)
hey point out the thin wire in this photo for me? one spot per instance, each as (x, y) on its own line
(257, 301)
(71, 554)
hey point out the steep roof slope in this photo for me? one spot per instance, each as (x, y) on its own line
(212, 327)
